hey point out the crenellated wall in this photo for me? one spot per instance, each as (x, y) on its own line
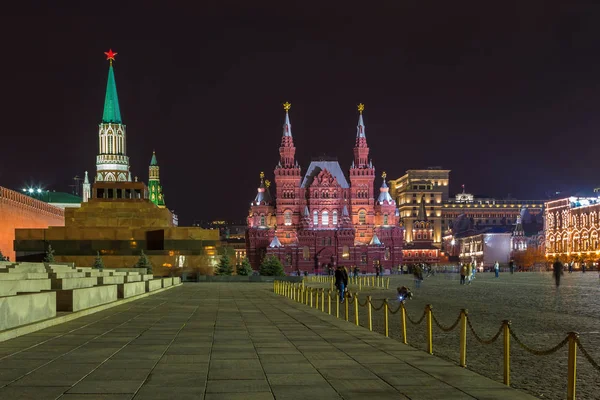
(21, 211)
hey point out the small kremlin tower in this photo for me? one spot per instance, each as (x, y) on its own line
(112, 163)
(154, 187)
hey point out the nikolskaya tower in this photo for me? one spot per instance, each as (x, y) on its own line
(112, 163)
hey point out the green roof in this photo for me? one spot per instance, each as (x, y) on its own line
(112, 113)
(62, 197)
(153, 160)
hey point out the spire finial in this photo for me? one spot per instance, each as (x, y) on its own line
(384, 175)
(287, 106)
(267, 183)
(110, 55)
(262, 176)
(361, 108)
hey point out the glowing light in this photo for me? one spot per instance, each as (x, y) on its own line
(30, 190)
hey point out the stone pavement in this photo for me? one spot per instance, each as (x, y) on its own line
(226, 341)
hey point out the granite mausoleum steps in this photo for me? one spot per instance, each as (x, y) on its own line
(33, 292)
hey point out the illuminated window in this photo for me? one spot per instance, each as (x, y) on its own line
(315, 218)
(306, 253)
(287, 217)
(325, 218)
(362, 217)
(385, 219)
(363, 258)
(345, 253)
(386, 255)
(335, 218)
(262, 220)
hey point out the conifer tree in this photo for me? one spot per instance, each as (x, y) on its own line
(2, 258)
(224, 267)
(271, 266)
(49, 255)
(98, 263)
(245, 268)
(144, 262)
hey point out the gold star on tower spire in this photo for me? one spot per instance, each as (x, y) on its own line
(287, 106)
(384, 175)
(262, 176)
(361, 108)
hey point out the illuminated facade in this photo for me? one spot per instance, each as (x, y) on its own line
(448, 216)
(154, 187)
(421, 248)
(571, 228)
(320, 220)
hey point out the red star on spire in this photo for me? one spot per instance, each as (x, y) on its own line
(110, 55)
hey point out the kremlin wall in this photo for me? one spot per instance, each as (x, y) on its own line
(20, 211)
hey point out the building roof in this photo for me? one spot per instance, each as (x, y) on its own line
(55, 197)
(316, 167)
(153, 160)
(375, 241)
(419, 246)
(112, 112)
(275, 242)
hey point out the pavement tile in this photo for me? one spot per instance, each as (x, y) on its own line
(235, 364)
(31, 393)
(239, 396)
(303, 367)
(233, 374)
(428, 393)
(175, 379)
(296, 379)
(108, 386)
(169, 393)
(184, 359)
(237, 386)
(109, 374)
(95, 396)
(290, 392)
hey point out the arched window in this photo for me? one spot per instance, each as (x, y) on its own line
(315, 218)
(306, 253)
(287, 218)
(335, 219)
(362, 217)
(262, 220)
(385, 219)
(110, 144)
(325, 218)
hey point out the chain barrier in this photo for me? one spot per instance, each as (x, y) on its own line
(397, 309)
(366, 303)
(442, 327)
(479, 338)
(538, 352)
(419, 321)
(378, 308)
(587, 355)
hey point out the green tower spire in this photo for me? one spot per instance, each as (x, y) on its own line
(112, 113)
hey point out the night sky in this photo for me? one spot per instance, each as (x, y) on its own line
(507, 98)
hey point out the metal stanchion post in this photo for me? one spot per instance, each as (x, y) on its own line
(463, 338)
(322, 300)
(329, 302)
(337, 303)
(386, 318)
(346, 306)
(572, 371)
(311, 297)
(370, 313)
(387, 285)
(506, 332)
(356, 309)
(429, 329)
(359, 284)
(403, 322)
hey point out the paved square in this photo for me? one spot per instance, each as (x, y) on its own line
(226, 341)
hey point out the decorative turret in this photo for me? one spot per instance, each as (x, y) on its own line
(112, 163)
(87, 188)
(384, 195)
(154, 187)
(422, 216)
(385, 207)
(263, 197)
(287, 149)
(361, 149)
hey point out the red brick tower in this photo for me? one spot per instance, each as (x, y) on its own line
(261, 223)
(362, 177)
(290, 201)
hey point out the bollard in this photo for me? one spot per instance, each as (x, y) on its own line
(356, 309)
(322, 300)
(572, 369)
(359, 284)
(429, 329)
(346, 305)
(370, 313)
(337, 304)
(506, 332)
(311, 297)
(403, 322)
(329, 302)
(317, 298)
(386, 318)
(387, 285)
(463, 338)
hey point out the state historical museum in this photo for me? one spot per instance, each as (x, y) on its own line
(319, 220)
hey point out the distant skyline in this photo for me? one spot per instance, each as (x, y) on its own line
(507, 98)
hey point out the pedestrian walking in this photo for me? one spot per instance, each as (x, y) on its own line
(463, 274)
(570, 267)
(418, 273)
(405, 269)
(583, 267)
(469, 273)
(497, 268)
(341, 281)
(558, 271)
(511, 266)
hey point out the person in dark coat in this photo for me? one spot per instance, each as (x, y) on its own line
(557, 271)
(511, 266)
(341, 281)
